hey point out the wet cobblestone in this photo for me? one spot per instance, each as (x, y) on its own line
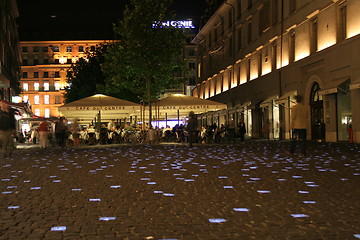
(239, 191)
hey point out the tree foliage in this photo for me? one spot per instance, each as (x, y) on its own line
(147, 59)
(86, 78)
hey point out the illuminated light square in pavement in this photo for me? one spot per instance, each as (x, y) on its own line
(94, 199)
(13, 207)
(241, 209)
(169, 194)
(217, 220)
(309, 202)
(263, 191)
(299, 215)
(58, 229)
(107, 218)
(115, 186)
(228, 187)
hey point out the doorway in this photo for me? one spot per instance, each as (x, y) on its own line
(317, 114)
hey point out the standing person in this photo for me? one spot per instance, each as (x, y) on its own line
(60, 131)
(298, 122)
(151, 135)
(191, 127)
(7, 129)
(43, 134)
(242, 130)
(75, 131)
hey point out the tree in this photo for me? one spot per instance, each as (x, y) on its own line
(148, 58)
(85, 78)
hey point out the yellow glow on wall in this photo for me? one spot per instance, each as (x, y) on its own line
(206, 90)
(266, 68)
(326, 28)
(254, 72)
(226, 80)
(302, 42)
(353, 16)
(243, 77)
(301, 54)
(212, 87)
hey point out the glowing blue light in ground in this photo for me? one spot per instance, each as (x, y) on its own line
(304, 192)
(297, 176)
(158, 191)
(217, 220)
(115, 186)
(281, 180)
(241, 209)
(263, 191)
(75, 189)
(151, 183)
(58, 228)
(8, 192)
(357, 235)
(56, 181)
(107, 218)
(13, 207)
(94, 199)
(228, 187)
(169, 194)
(309, 202)
(299, 215)
(35, 188)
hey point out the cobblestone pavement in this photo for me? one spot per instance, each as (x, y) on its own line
(248, 191)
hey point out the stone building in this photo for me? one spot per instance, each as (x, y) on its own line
(44, 69)
(9, 50)
(256, 55)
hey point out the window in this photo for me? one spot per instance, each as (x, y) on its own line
(46, 86)
(46, 99)
(249, 31)
(92, 48)
(36, 74)
(24, 74)
(36, 61)
(239, 38)
(25, 62)
(192, 52)
(56, 48)
(46, 113)
(249, 4)
(274, 11)
(68, 49)
(57, 86)
(292, 46)
(57, 74)
(37, 112)
(46, 61)
(191, 65)
(36, 49)
(81, 48)
(260, 64)
(239, 9)
(24, 49)
(230, 18)
(264, 18)
(342, 22)
(274, 57)
(57, 61)
(45, 49)
(25, 98)
(36, 86)
(25, 87)
(46, 75)
(314, 36)
(292, 6)
(69, 61)
(57, 99)
(36, 99)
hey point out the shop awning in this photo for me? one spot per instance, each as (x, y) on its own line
(328, 91)
(179, 104)
(285, 97)
(354, 86)
(110, 108)
(269, 100)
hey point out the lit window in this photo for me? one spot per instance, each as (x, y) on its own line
(47, 113)
(25, 98)
(46, 99)
(57, 86)
(57, 99)
(36, 99)
(37, 112)
(46, 86)
(36, 86)
(25, 87)
(56, 49)
(69, 49)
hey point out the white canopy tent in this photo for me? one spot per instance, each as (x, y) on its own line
(100, 107)
(178, 106)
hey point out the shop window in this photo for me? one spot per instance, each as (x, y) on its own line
(344, 111)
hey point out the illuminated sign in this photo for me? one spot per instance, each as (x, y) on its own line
(175, 24)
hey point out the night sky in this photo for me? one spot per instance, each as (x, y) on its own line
(83, 20)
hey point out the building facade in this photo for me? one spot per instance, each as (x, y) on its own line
(44, 70)
(256, 55)
(9, 50)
